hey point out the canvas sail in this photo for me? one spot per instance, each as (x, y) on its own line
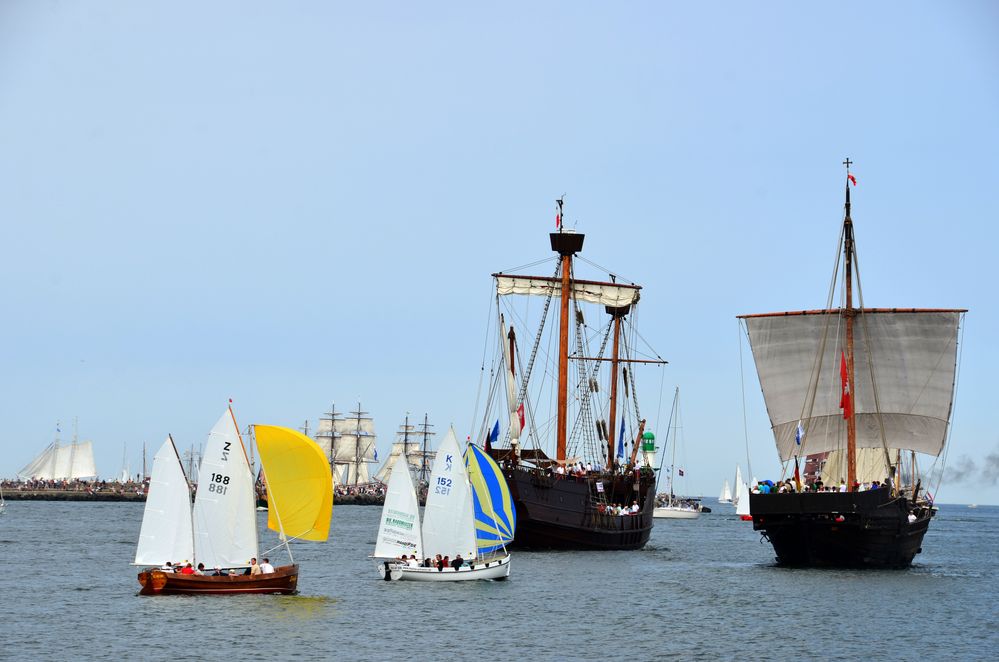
(913, 355)
(225, 522)
(166, 533)
(399, 532)
(604, 294)
(495, 515)
(448, 519)
(299, 484)
(62, 462)
(726, 493)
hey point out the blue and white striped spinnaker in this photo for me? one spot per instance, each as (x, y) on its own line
(495, 516)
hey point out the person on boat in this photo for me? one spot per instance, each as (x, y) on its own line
(439, 562)
(167, 567)
(219, 572)
(428, 562)
(266, 568)
(187, 570)
(457, 562)
(254, 569)
(634, 507)
(446, 562)
(200, 570)
(412, 562)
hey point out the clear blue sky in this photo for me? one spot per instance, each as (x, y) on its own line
(301, 202)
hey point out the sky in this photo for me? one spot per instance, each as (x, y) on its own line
(299, 203)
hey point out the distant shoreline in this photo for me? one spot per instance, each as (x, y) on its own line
(79, 495)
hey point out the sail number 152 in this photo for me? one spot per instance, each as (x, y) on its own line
(443, 486)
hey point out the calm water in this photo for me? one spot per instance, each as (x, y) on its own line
(704, 590)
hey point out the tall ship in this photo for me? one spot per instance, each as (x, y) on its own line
(562, 417)
(59, 461)
(856, 396)
(412, 441)
(348, 441)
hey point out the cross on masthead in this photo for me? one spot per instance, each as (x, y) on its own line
(848, 163)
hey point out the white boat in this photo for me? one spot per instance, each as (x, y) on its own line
(220, 531)
(742, 508)
(62, 462)
(740, 485)
(726, 494)
(469, 513)
(670, 506)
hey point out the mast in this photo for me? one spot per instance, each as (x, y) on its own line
(424, 471)
(849, 313)
(618, 314)
(566, 244)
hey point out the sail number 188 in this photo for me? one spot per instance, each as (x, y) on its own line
(219, 484)
(443, 486)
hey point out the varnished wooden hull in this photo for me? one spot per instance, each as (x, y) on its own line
(561, 513)
(283, 580)
(841, 530)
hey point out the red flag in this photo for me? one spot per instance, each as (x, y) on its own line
(558, 220)
(844, 376)
(520, 414)
(853, 180)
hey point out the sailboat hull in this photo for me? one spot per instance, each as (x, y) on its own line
(283, 580)
(672, 512)
(497, 569)
(561, 512)
(841, 530)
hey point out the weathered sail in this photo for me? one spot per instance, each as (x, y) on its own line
(605, 294)
(495, 515)
(166, 533)
(399, 532)
(914, 358)
(448, 524)
(225, 522)
(299, 484)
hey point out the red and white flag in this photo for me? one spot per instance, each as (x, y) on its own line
(844, 376)
(853, 180)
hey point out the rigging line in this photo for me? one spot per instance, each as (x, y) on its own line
(627, 281)
(669, 424)
(482, 368)
(742, 381)
(553, 258)
(953, 408)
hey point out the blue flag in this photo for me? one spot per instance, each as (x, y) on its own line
(620, 441)
(376, 455)
(799, 434)
(494, 435)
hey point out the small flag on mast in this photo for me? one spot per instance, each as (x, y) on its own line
(844, 375)
(799, 434)
(853, 180)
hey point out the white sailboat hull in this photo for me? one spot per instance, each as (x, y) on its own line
(674, 512)
(497, 569)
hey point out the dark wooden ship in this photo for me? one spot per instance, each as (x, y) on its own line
(558, 507)
(877, 383)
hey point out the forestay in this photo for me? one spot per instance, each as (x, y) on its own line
(605, 294)
(914, 357)
(449, 524)
(166, 533)
(399, 532)
(225, 523)
(495, 515)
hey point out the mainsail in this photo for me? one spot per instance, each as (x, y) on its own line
(62, 462)
(225, 522)
(349, 444)
(911, 355)
(166, 533)
(399, 532)
(408, 443)
(495, 515)
(299, 486)
(449, 524)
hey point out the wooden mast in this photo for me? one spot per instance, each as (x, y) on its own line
(849, 313)
(618, 314)
(566, 244)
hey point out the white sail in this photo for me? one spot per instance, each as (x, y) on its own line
(81, 461)
(605, 294)
(511, 386)
(166, 533)
(738, 485)
(225, 520)
(350, 447)
(449, 520)
(399, 532)
(913, 356)
(58, 462)
(726, 493)
(742, 508)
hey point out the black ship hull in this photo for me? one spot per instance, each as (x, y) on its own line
(563, 512)
(869, 529)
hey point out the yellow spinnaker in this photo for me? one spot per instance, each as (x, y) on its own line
(299, 484)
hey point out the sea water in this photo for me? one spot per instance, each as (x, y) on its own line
(701, 589)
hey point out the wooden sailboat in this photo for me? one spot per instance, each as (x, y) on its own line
(220, 531)
(842, 380)
(559, 504)
(469, 512)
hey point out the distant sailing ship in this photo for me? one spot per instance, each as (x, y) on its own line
(541, 452)
(859, 383)
(349, 444)
(670, 505)
(63, 462)
(413, 443)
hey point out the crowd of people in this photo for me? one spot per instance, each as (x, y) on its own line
(618, 509)
(76, 485)
(185, 568)
(439, 562)
(789, 486)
